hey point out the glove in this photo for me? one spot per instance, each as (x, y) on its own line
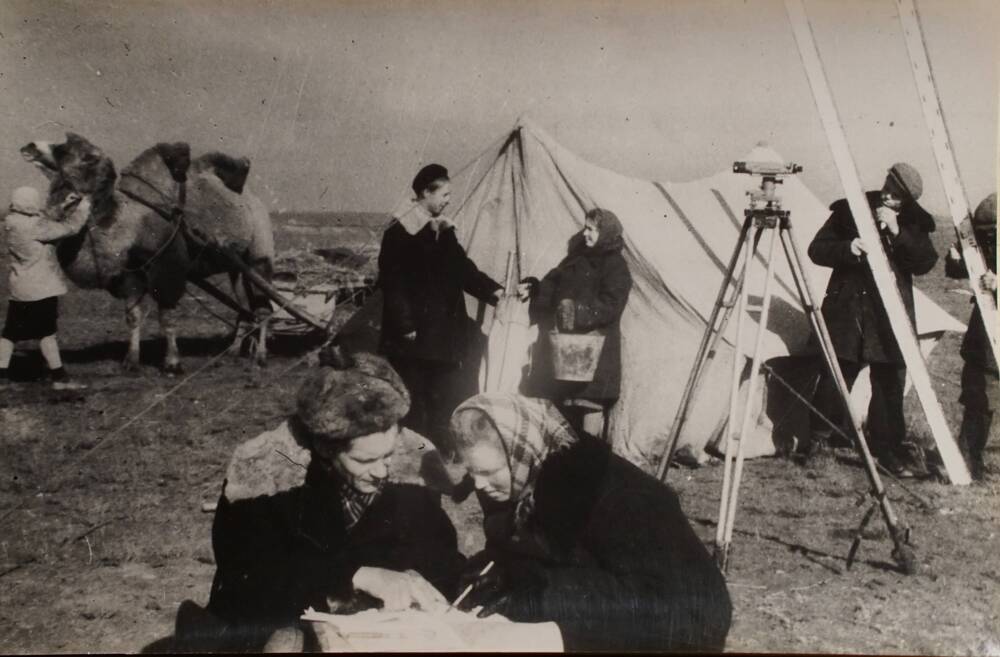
(566, 315)
(527, 288)
(510, 575)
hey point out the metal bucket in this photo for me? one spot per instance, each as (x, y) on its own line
(575, 355)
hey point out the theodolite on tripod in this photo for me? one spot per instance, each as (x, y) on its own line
(766, 213)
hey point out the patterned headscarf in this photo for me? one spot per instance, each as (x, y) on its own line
(530, 429)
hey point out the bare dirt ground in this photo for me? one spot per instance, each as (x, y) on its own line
(102, 532)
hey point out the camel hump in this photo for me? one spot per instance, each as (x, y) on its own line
(232, 171)
(177, 157)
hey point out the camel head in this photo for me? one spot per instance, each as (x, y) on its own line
(232, 171)
(75, 165)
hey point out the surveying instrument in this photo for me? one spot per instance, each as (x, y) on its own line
(766, 214)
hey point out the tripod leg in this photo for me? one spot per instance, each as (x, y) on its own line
(748, 406)
(709, 339)
(857, 538)
(721, 545)
(902, 552)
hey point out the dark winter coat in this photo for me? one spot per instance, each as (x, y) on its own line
(976, 343)
(278, 554)
(423, 277)
(854, 314)
(624, 570)
(597, 279)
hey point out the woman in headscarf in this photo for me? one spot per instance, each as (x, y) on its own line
(586, 292)
(323, 524)
(592, 543)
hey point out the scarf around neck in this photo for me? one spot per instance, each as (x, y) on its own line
(354, 503)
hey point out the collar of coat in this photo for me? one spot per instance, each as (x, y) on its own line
(414, 217)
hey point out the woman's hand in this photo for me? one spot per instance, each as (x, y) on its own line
(399, 590)
(566, 315)
(492, 591)
(858, 247)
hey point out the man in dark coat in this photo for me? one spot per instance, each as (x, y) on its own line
(284, 542)
(980, 388)
(595, 544)
(424, 271)
(585, 292)
(858, 324)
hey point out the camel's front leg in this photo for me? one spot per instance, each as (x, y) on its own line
(168, 323)
(133, 317)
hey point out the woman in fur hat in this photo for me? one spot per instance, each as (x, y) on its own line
(589, 541)
(586, 292)
(324, 524)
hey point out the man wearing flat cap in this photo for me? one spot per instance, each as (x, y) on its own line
(424, 273)
(857, 320)
(308, 516)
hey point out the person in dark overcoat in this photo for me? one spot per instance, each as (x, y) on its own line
(424, 273)
(857, 321)
(980, 379)
(593, 543)
(586, 292)
(343, 535)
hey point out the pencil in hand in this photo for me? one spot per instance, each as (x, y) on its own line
(468, 589)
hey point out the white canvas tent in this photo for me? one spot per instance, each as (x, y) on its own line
(529, 196)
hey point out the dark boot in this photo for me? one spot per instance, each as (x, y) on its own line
(812, 450)
(972, 440)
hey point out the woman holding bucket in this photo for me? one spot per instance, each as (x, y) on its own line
(578, 307)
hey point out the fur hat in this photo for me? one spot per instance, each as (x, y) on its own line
(908, 179)
(427, 176)
(985, 216)
(26, 200)
(353, 396)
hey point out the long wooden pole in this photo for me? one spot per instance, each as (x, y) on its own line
(885, 280)
(958, 200)
(262, 284)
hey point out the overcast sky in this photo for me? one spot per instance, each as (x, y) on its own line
(338, 103)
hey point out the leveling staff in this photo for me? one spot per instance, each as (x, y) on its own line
(857, 320)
